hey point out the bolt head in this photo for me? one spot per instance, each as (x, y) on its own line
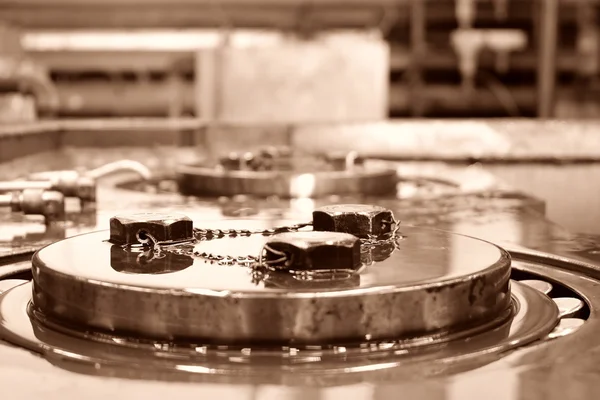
(313, 251)
(136, 228)
(364, 221)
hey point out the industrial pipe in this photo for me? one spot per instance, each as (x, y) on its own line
(547, 49)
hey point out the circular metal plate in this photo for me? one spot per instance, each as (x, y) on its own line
(434, 282)
(200, 180)
(534, 316)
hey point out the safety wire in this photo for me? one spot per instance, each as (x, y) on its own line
(248, 260)
(282, 262)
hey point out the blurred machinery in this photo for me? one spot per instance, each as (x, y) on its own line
(448, 58)
(25, 84)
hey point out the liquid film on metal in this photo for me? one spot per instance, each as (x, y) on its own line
(429, 281)
(535, 316)
(424, 257)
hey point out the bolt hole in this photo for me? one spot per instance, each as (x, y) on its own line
(143, 237)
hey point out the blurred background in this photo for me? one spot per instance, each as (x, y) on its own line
(285, 65)
(298, 60)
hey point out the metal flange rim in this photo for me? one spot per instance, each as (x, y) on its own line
(198, 180)
(169, 306)
(18, 329)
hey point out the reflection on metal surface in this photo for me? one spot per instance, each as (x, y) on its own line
(568, 306)
(143, 260)
(73, 280)
(16, 269)
(497, 216)
(542, 286)
(204, 181)
(565, 327)
(362, 359)
(6, 284)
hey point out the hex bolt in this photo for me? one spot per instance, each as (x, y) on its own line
(50, 204)
(148, 228)
(362, 220)
(312, 251)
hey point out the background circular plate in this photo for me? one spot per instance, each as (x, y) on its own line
(200, 180)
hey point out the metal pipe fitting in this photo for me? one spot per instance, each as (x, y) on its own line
(467, 43)
(50, 204)
(75, 183)
(69, 184)
(120, 166)
(546, 73)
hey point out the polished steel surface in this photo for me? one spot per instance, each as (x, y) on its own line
(206, 181)
(568, 306)
(565, 367)
(364, 221)
(535, 317)
(15, 269)
(313, 255)
(542, 286)
(425, 285)
(145, 228)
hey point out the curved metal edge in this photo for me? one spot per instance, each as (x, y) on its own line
(500, 267)
(568, 266)
(18, 329)
(204, 181)
(16, 257)
(306, 317)
(7, 284)
(574, 265)
(202, 171)
(15, 269)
